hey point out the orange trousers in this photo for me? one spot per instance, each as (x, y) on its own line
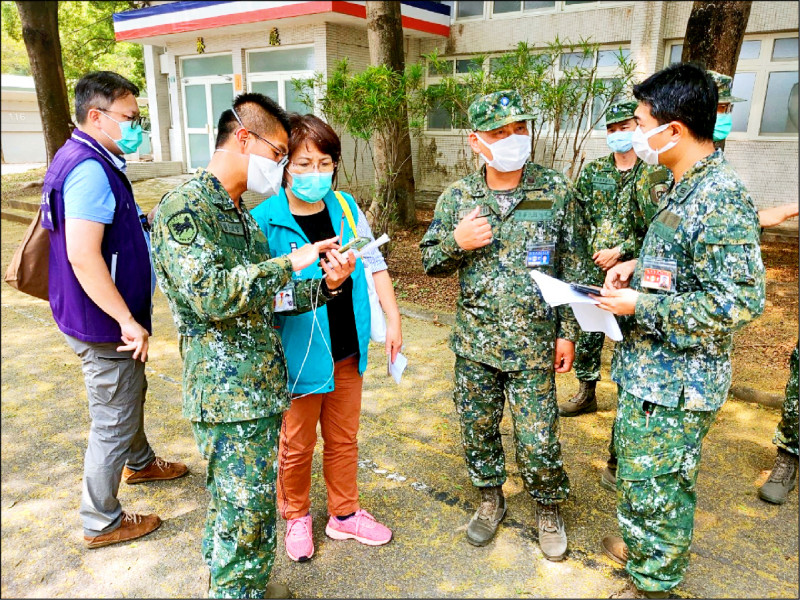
(337, 413)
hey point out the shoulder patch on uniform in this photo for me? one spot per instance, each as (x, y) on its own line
(183, 226)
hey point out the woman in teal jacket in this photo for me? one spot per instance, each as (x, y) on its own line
(326, 349)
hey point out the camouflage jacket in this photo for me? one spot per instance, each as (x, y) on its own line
(651, 184)
(617, 206)
(214, 267)
(703, 248)
(501, 318)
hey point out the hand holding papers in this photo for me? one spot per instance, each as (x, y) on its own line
(589, 316)
(397, 367)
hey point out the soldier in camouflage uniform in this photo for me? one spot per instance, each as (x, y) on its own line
(783, 477)
(724, 122)
(214, 267)
(698, 279)
(492, 228)
(614, 194)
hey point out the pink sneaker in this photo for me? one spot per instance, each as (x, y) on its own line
(298, 542)
(362, 526)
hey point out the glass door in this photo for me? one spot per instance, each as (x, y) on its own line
(204, 101)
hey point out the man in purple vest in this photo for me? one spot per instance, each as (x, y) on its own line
(100, 294)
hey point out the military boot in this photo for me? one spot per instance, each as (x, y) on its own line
(608, 478)
(552, 533)
(782, 479)
(584, 401)
(631, 591)
(277, 590)
(483, 525)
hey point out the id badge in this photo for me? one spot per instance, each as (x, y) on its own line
(659, 273)
(539, 255)
(284, 300)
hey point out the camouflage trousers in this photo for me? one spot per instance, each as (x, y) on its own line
(480, 393)
(587, 355)
(239, 538)
(786, 434)
(590, 343)
(659, 459)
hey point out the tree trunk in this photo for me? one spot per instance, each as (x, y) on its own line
(385, 38)
(40, 33)
(714, 34)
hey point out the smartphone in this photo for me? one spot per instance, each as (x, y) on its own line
(357, 243)
(585, 289)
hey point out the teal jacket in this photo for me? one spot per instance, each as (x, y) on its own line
(282, 230)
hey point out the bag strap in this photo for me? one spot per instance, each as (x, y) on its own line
(347, 212)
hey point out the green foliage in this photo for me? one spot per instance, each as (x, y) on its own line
(365, 107)
(86, 31)
(559, 83)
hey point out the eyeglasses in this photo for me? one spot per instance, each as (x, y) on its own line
(284, 156)
(306, 166)
(136, 121)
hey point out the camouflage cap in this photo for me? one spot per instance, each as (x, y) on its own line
(497, 109)
(620, 111)
(724, 85)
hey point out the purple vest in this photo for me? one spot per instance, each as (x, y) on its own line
(123, 248)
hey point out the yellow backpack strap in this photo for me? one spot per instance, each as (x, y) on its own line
(347, 212)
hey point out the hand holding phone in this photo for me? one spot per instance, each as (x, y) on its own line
(358, 243)
(585, 288)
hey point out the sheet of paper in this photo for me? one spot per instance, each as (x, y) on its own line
(397, 367)
(591, 318)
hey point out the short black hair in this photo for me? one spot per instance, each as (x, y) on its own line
(258, 112)
(99, 89)
(682, 92)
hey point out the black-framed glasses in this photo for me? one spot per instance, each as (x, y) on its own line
(284, 156)
(135, 121)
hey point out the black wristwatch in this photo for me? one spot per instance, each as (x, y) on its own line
(328, 292)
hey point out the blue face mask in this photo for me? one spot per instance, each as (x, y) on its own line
(311, 187)
(131, 135)
(723, 126)
(620, 141)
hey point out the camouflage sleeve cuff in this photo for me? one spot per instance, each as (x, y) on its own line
(648, 312)
(450, 247)
(283, 262)
(568, 328)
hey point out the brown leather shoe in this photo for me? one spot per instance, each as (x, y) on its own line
(133, 526)
(157, 470)
(614, 547)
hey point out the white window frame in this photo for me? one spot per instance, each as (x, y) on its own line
(280, 77)
(560, 6)
(762, 67)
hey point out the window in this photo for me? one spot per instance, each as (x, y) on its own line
(439, 118)
(466, 9)
(270, 72)
(766, 79)
(204, 66)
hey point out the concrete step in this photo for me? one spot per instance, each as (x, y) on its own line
(19, 204)
(16, 215)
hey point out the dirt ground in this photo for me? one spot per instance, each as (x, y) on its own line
(411, 475)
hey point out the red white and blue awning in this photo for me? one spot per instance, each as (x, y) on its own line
(151, 25)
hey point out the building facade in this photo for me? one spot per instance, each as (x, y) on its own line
(198, 55)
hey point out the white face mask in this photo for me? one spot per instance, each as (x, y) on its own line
(264, 176)
(642, 147)
(509, 153)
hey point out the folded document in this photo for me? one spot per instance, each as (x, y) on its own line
(590, 317)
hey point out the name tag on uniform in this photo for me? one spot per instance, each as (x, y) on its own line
(604, 183)
(232, 228)
(284, 300)
(539, 255)
(659, 273)
(484, 212)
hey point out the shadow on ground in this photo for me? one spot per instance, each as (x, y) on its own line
(412, 477)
